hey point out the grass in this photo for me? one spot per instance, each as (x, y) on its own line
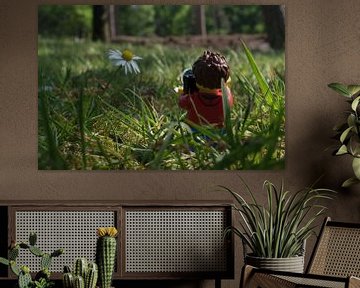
(92, 116)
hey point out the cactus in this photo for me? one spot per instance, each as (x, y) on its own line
(79, 282)
(23, 273)
(14, 268)
(80, 267)
(91, 276)
(4, 261)
(36, 251)
(88, 273)
(57, 252)
(32, 238)
(45, 261)
(68, 280)
(24, 279)
(67, 269)
(13, 253)
(105, 254)
(24, 246)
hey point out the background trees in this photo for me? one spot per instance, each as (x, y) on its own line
(86, 21)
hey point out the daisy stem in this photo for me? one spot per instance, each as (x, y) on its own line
(110, 80)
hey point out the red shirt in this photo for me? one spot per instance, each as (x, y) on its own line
(205, 109)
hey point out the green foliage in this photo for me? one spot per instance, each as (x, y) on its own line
(43, 283)
(24, 280)
(42, 278)
(349, 132)
(167, 20)
(65, 20)
(92, 116)
(148, 20)
(231, 19)
(279, 229)
(172, 20)
(136, 20)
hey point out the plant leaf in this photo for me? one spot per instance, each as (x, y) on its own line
(342, 150)
(4, 261)
(344, 134)
(264, 87)
(355, 103)
(349, 182)
(353, 89)
(356, 167)
(351, 120)
(341, 89)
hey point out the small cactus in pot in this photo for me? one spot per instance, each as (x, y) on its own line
(85, 275)
(106, 254)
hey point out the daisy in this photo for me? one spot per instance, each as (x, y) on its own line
(126, 59)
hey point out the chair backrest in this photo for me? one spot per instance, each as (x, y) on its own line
(337, 251)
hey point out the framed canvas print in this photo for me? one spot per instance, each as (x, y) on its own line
(164, 87)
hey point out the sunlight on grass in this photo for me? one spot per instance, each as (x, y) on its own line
(91, 117)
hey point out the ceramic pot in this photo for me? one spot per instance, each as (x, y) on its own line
(291, 264)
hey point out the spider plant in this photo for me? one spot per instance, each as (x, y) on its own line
(278, 229)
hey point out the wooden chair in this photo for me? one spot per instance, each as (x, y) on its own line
(335, 262)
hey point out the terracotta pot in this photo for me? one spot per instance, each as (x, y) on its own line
(291, 264)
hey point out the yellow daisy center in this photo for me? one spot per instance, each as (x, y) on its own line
(127, 55)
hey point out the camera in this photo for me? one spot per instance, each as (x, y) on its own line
(189, 82)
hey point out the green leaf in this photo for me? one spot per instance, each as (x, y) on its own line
(355, 103)
(14, 268)
(227, 115)
(356, 167)
(354, 145)
(4, 261)
(351, 120)
(341, 89)
(349, 182)
(353, 89)
(342, 150)
(264, 87)
(345, 134)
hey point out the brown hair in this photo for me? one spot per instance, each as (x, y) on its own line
(209, 69)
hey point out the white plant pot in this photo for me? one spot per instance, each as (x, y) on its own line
(291, 264)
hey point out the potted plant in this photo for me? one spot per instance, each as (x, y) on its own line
(276, 233)
(349, 132)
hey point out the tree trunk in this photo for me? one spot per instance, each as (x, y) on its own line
(199, 20)
(100, 24)
(112, 22)
(274, 16)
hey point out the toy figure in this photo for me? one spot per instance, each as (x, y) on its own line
(202, 95)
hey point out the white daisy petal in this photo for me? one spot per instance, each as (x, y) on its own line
(119, 62)
(136, 67)
(114, 54)
(136, 58)
(129, 66)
